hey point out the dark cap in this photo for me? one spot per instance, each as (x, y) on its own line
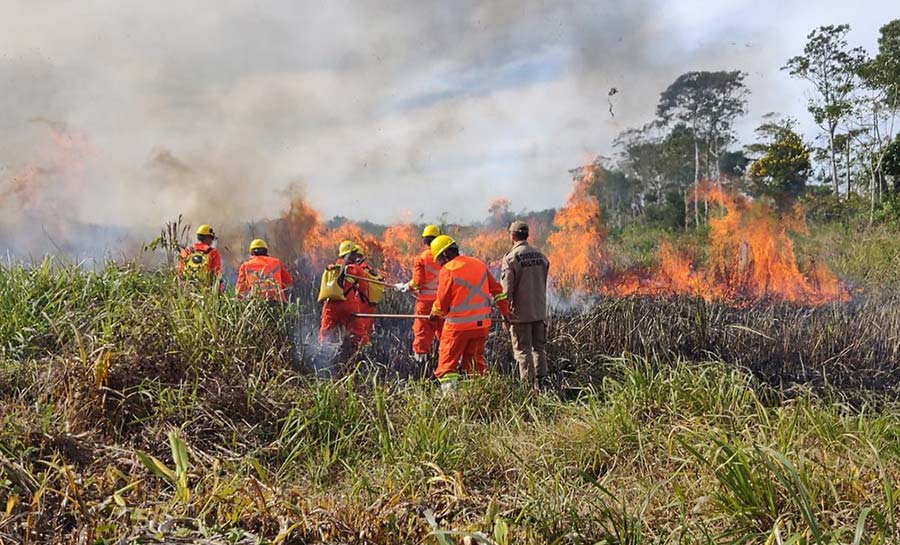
(518, 226)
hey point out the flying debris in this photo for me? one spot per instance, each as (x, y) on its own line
(612, 92)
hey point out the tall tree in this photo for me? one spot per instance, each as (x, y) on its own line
(831, 66)
(879, 108)
(662, 165)
(781, 161)
(883, 72)
(891, 164)
(640, 158)
(709, 103)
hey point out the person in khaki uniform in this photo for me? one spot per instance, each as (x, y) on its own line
(524, 279)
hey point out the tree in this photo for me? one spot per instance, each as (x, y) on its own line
(883, 72)
(831, 67)
(678, 168)
(707, 102)
(620, 195)
(640, 159)
(734, 163)
(660, 170)
(500, 214)
(781, 166)
(891, 164)
(878, 109)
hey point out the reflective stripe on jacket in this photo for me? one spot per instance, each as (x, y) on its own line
(466, 290)
(425, 276)
(265, 276)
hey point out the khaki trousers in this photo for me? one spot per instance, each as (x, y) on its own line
(529, 344)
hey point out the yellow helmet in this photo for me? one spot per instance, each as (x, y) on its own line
(440, 244)
(257, 244)
(431, 231)
(205, 230)
(346, 247)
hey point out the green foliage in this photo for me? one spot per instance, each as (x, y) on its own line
(196, 427)
(821, 207)
(45, 305)
(178, 477)
(708, 101)
(783, 166)
(883, 71)
(54, 307)
(733, 164)
(830, 66)
(871, 261)
(659, 172)
(891, 162)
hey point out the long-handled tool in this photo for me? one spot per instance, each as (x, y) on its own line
(373, 281)
(369, 315)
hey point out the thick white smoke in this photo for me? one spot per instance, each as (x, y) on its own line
(378, 107)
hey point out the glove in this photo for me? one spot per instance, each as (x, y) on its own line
(433, 317)
(402, 287)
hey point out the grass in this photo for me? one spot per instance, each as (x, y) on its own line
(131, 408)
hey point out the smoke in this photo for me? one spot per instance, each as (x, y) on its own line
(378, 107)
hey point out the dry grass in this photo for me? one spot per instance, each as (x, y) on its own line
(130, 409)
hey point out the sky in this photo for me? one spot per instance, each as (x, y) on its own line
(129, 113)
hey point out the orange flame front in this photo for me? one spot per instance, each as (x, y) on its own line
(749, 252)
(576, 244)
(750, 256)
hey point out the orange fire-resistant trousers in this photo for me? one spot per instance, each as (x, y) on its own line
(425, 331)
(338, 319)
(462, 347)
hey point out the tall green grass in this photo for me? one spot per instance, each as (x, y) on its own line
(131, 408)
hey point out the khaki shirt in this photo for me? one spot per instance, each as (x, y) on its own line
(524, 279)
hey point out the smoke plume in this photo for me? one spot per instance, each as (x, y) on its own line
(117, 117)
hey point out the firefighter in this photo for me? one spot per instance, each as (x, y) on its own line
(466, 290)
(524, 272)
(338, 310)
(201, 261)
(424, 284)
(263, 275)
(370, 294)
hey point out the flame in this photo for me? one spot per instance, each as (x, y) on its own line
(576, 246)
(298, 227)
(749, 252)
(44, 187)
(488, 245)
(750, 256)
(400, 245)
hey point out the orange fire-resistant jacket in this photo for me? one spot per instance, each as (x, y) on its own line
(425, 276)
(265, 276)
(466, 289)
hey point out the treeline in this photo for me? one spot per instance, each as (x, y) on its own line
(850, 168)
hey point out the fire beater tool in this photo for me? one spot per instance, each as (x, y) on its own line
(379, 282)
(368, 315)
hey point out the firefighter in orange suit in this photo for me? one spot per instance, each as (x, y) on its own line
(263, 275)
(424, 284)
(338, 316)
(466, 291)
(367, 301)
(200, 262)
